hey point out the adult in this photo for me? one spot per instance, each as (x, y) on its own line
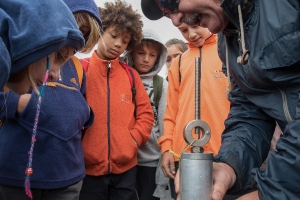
(260, 45)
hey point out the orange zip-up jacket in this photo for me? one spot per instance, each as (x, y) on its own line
(214, 105)
(120, 126)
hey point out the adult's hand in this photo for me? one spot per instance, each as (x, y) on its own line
(223, 178)
(250, 196)
(23, 101)
(168, 165)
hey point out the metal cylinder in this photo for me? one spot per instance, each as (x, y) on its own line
(196, 176)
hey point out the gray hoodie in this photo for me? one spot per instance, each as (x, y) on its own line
(149, 153)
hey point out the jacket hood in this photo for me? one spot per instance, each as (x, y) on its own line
(5, 64)
(33, 29)
(151, 35)
(88, 6)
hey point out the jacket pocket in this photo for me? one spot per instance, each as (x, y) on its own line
(122, 145)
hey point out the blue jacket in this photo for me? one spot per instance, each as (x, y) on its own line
(31, 30)
(265, 90)
(58, 155)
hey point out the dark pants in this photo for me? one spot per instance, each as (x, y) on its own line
(18, 193)
(145, 183)
(109, 187)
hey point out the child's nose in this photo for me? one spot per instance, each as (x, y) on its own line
(53, 75)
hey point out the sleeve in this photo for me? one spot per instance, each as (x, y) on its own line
(83, 92)
(166, 140)
(246, 138)
(280, 180)
(162, 107)
(144, 117)
(9, 103)
(161, 182)
(160, 179)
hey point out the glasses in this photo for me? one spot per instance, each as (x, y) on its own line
(169, 5)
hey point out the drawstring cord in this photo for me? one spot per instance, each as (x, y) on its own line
(29, 170)
(243, 59)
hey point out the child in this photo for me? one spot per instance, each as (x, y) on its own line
(122, 122)
(175, 48)
(58, 156)
(148, 58)
(21, 50)
(180, 109)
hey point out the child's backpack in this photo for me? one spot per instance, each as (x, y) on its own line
(157, 81)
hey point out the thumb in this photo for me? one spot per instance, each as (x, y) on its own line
(224, 178)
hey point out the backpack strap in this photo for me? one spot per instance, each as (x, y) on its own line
(130, 75)
(157, 85)
(79, 69)
(85, 63)
(179, 63)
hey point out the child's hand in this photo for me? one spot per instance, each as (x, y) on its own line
(23, 101)
(168, 165)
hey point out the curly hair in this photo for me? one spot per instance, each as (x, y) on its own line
(179, 43)
(124, 19)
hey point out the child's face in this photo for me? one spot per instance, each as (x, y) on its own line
(173, 52)
(84, 26)
(112, 43)
(144, 59)
(194, 34)
(37, 70)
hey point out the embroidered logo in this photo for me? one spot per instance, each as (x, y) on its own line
(219, 74)
(125, 98)
(73, 80)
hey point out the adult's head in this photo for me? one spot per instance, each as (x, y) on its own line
(87, 16)
(206, 13)
(31, 31)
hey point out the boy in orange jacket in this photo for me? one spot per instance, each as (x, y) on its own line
(123, 122)
(180, 109)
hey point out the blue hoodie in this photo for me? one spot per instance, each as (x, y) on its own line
(34, 29)
(88, 6)
(57, 156)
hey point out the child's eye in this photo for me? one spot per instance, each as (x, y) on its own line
(153, 55)
(168, 60)
(113, 36)
(184, 31)
(125, 42)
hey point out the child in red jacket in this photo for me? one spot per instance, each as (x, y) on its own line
(123, 118)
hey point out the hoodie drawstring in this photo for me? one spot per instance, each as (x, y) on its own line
(243, 59)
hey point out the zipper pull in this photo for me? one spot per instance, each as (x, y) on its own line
(109, 64)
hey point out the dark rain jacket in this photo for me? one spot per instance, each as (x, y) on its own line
(264, 90)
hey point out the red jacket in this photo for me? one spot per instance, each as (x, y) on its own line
(120, 126)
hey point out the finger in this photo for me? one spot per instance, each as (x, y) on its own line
(224, 178)
(169, 173)
(172, 167)
(177, 182)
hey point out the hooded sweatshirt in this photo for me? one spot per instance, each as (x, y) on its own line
(88, 6)
(149, 154)
(214, 105)
(29, 33)
(59, 131)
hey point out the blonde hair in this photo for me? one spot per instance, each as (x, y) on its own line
(93, 36)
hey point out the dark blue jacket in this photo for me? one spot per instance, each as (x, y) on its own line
(31, 30)
(58, 155)
(265, 90)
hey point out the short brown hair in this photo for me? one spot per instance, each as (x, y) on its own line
(124, 19)
(179, 43)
